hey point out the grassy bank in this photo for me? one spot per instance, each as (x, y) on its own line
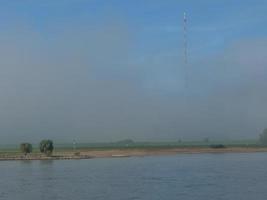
(175, 144)
(14, 149)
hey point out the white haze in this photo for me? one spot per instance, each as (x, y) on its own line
(90, 84)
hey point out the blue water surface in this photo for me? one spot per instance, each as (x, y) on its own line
(230, 176)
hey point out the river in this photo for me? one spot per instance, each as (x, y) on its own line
(229, 176)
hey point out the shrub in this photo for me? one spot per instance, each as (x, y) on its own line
(26, 148)
(217, 146)
(46, 147)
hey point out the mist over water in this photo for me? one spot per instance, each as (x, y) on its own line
(106, 76)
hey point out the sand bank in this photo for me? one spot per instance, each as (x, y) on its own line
(115, 153)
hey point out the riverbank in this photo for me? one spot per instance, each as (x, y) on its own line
(115, 153)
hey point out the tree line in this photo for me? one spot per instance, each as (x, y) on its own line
(46, 147)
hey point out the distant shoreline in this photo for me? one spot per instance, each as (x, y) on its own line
(137, 152)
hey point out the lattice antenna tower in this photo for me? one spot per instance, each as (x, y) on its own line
(185, 38)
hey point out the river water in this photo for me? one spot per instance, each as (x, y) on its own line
(185, 176)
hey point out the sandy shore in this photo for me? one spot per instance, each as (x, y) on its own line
(115, 153)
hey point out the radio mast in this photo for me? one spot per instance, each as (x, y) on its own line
(185, 52)
(185, 39)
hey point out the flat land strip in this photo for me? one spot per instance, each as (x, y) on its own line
(124, 152)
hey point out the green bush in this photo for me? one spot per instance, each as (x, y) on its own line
(217, 146)
(26, 148)
(46, 147)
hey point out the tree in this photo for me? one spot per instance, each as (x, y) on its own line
(26, 148)
(46, 147)
(263, 137)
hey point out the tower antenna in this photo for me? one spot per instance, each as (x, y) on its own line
(185, 52)
(185, 39)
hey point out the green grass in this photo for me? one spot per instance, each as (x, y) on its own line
(176, 144)
(14, 149)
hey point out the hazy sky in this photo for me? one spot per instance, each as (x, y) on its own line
(95, 70)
